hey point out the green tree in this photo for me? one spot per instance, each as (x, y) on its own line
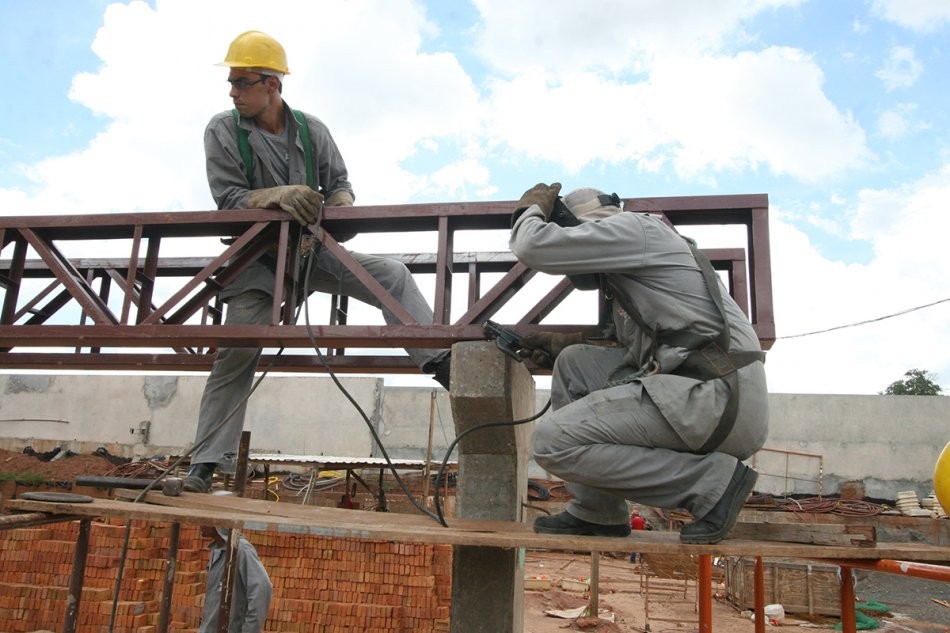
(917, 382)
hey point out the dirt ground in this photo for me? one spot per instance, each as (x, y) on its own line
(66, 468)
(557, 582)
(672, 603)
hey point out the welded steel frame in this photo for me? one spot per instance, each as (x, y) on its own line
(188, 325)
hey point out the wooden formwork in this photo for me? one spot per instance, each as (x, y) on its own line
(799, 586)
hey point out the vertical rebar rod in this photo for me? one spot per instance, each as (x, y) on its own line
(171, 566)
(76, 578)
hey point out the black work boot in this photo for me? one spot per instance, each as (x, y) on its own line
(717, 523)
(442, 371)
(567, 523)
(199, 478)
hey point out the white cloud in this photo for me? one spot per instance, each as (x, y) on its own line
(892, 125)
(627, 77)
(607, 121)
(925, 16)
(618, 36)
(683, 90)
(901, 69)
(463, 180)
(906, 226)
(391, 104)
(900, 121)
(382, 98)
(758, 110)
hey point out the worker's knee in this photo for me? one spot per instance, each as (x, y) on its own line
(546, 442)
(390, 273)
(249, 307)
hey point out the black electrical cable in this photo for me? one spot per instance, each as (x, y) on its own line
(458, 438)
(336, 381)
(438, 515)
(194, 446)
(540, 492)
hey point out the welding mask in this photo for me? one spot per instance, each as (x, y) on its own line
(584, 205)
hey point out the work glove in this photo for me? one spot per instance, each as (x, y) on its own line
(302, 203)
(544, 347)
(542, 195)
(341, 198)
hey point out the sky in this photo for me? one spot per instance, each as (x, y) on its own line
(839, 111)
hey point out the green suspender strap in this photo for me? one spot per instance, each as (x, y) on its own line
(247, 155)
(244, 147)
(307, 149)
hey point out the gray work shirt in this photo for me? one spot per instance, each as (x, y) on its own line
(250, 599)
(227, 175)
(648, 265)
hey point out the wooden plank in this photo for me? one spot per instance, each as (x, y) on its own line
(823, 534)
(252, 514)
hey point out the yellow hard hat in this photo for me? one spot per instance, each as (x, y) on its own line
(254, 49)
(942, 478)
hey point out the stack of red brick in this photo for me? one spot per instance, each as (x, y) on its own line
(320, 584)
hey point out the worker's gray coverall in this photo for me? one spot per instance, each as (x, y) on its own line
(249, 296)
(250, 599)
(636, 441)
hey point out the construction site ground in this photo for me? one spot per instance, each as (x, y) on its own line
(557, 593)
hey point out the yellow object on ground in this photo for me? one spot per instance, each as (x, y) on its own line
(942, 478)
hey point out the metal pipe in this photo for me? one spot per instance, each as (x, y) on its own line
(76, 577)
(593, 608)
(227, 580)
(29, 519)
(171, 566)
(900, 567)
(704, 593)
(759, 599)
(240, 469)
(848, 619)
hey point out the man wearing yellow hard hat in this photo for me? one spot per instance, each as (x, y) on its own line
(264, 155)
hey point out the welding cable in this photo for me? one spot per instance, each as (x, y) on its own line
(540, 493)
(821, 505)
(478, 427)
(336, 381)
(217, 426)
(276, 482)
(438, 515)
(194, 446)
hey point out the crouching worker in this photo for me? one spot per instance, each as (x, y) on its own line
(250, 598)
(666, 416)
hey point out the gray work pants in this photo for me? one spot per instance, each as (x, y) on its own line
(232, 374)
(612, 445)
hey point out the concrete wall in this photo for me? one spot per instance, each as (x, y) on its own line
(816, 442)
(890, 443)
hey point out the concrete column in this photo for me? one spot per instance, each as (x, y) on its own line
(488, 386)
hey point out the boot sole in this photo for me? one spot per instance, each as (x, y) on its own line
(749, 477)
(196, 486)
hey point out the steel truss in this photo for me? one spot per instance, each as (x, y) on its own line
(108, 313)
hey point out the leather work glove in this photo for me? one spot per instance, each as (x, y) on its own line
(341, 198)
(545, 346)
(542, 195)
(302, 203)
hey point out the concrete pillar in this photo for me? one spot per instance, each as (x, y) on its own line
(488, 386)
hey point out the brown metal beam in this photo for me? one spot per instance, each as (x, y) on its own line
(177, 308)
